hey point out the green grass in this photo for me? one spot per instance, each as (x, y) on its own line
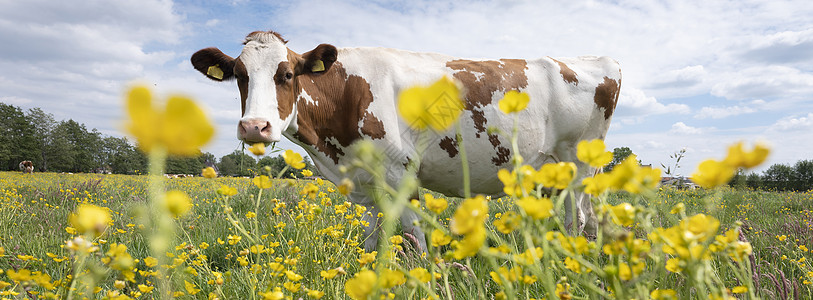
(34, 211)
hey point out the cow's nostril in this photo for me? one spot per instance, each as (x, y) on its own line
(267, 127)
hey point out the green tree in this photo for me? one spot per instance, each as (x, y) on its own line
(77, 150)
(122, 157)
(43, 136)
(619, 155)
(753, 180)
(778, 177)
(803, 175)
(237, 164)
(17, 142)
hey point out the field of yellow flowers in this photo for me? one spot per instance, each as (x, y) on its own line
(77, 236)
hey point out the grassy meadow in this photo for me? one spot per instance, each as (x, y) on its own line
(309, 237)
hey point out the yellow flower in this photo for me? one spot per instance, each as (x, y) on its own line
(293, 276)
(596, 185)
(437, 205)
(307, 173)
(471, 214)
(330, 274)
(346, 187)
(622, 214)
(573, 265)
(645, 178)
(712, 173)
(673, 265)
(666, 294)
(250, 215)
(293, 159)
(234, 239)
(90, 219)
(470, 244)
(514, 101)
(437, 106)
(737, 157)
(262, 181)
(361, 285)
(420, 274)
(275, 294)
(536, 208)
(258, 149)
(316, 294)
(439, 238)
(558, 175)
(739, 289)
(391, 278)
(396, 239)
(182, 128)
(227, 190)
(593, 153)
(507, 222)
(145, 288)
(700, 227)
(190, 287)
(177, 203)
(678, 208)
(513, 186)
(208, 172)
(624, 172)
(292, 287)
(150, 261)
(366, 258)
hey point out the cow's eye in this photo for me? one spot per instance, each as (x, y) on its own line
(289, 76)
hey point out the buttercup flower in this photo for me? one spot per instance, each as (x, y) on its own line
(177, 203)
(737, 157)
(90, 219)
(437, 205)
(470, 215)
(421, 274)
(293, 159)
(437, 106)
(514, 101)
(557, 175)
(593, 153)
(536, 208)
(712, 173)
(361, 285)
(208, 172)
(182, 127)
(258, 149)
(439, 238)
(262, 181)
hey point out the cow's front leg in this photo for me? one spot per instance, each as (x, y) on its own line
(373, 228)
(409, 223)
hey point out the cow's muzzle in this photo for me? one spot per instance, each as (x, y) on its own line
(254, 131)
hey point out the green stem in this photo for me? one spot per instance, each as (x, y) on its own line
(163, 229)
(465, 162)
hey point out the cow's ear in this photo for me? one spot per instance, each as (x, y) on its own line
(318, 60)
(214, 64)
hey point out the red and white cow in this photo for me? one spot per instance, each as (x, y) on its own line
(27, 166)
(328, 98)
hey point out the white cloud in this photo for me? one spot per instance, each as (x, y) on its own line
(764, 82)
(794, 124)
(635, 103)
(682, 128)
(723, 112)
(212, 22)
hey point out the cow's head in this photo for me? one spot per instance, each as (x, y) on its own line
(266, 74)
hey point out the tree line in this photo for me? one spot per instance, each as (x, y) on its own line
(68, 146)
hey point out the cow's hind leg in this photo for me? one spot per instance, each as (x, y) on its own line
(373, 228)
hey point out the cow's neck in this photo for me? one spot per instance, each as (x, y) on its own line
(330, 108)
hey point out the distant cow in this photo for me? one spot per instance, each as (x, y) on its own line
(326, 99)
(27, 166)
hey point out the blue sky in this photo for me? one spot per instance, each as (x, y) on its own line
(698, 74)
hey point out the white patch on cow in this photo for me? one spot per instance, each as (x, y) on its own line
(261, 56)
(307, 98)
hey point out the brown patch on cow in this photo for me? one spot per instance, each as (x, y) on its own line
(341, 104)
(503, 154)
(482, 78)
(450, 145)
(286, 89)
(607, 96)
(241, 74)
(479, 119)
(567, 74)
(494, 139)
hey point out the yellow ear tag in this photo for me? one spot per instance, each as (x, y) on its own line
(318, 66)
(215, 72)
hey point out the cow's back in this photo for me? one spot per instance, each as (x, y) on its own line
(571, 99)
